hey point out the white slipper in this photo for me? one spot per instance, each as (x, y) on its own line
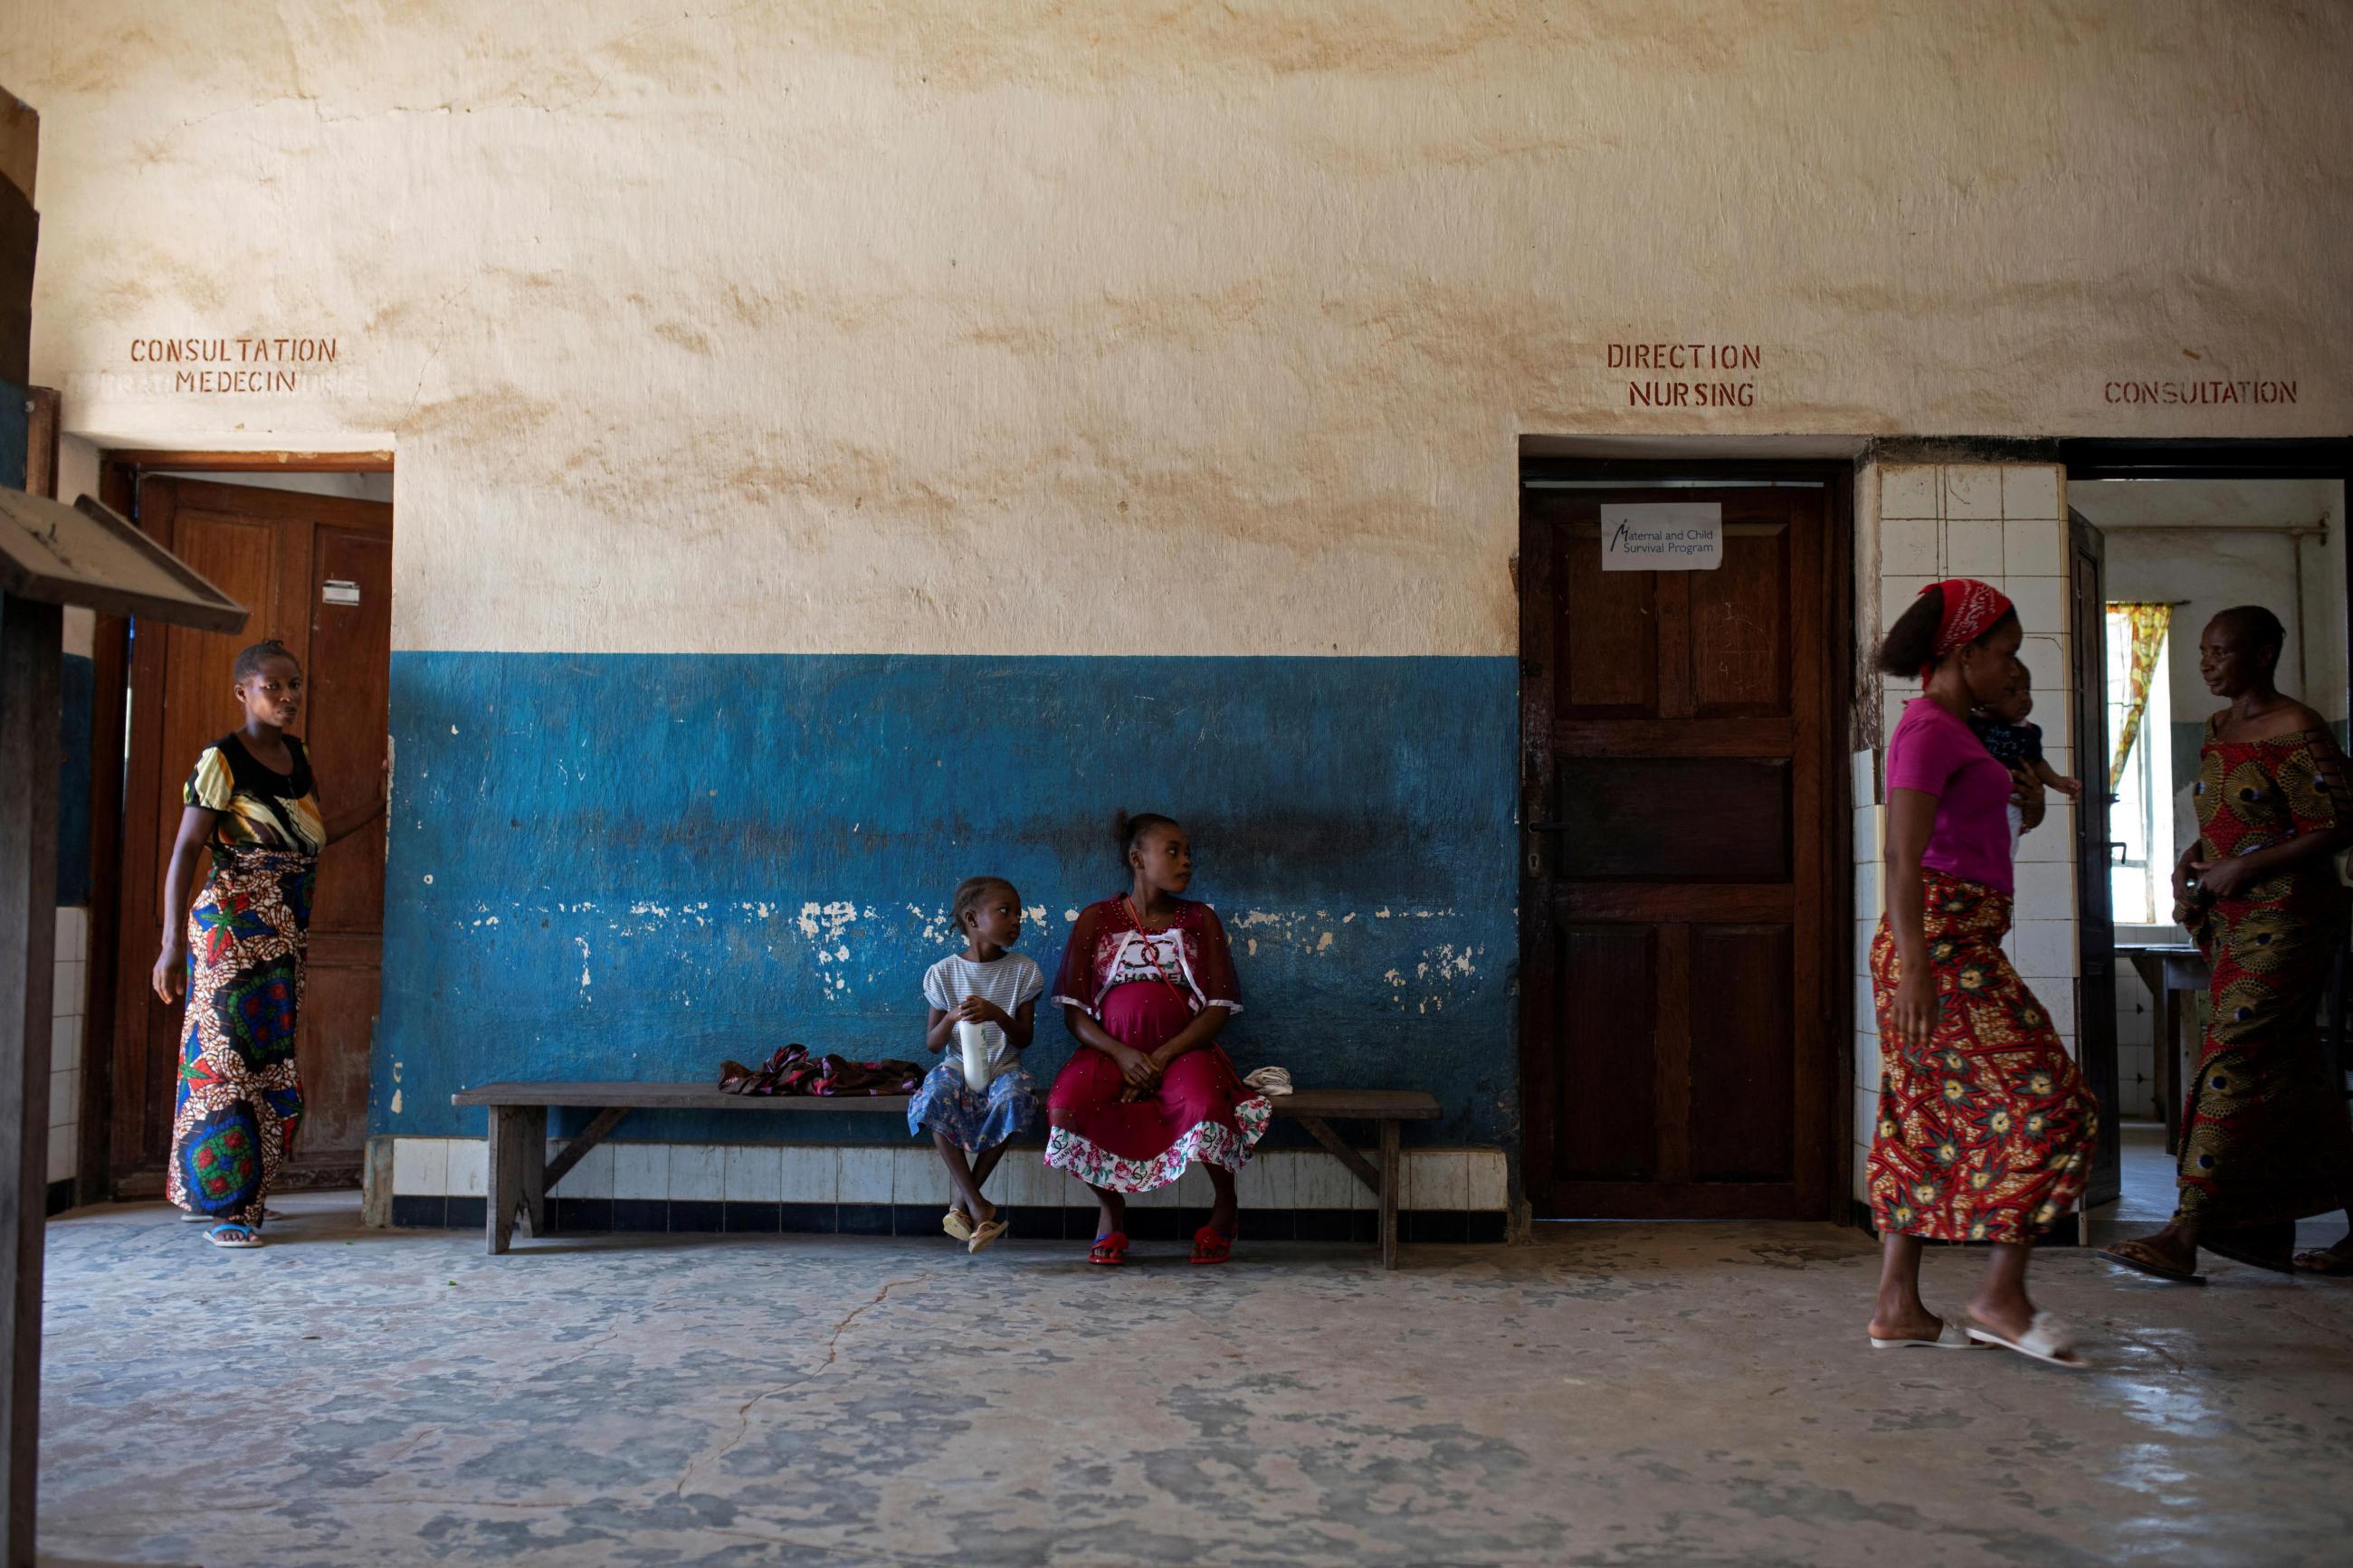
(2046, 1339)
(1950, 1336)
(234, 1236)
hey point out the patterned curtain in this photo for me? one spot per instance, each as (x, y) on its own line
(2149, 623)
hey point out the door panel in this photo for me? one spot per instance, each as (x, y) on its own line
(1610, 664)
(1607, 1108)
(345, 719)
(1743, 1100)
(1741, 658)
(1684, 819)
(1677, 1042)
(2096, 991)
(271, 550)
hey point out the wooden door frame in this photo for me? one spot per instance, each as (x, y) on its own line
(120, 470)
(2320, 457)
(1834, 880)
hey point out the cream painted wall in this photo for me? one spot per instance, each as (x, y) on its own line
(1138, 328)
(2202, 541)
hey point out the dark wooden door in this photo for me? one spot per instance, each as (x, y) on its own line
(275, 551)
(2096, 924)
(1684, 942)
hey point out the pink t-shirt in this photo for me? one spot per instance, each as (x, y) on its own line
(1939, 754)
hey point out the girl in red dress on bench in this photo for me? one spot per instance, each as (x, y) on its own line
(1147, 981)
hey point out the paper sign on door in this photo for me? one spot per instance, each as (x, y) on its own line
(1662, 536)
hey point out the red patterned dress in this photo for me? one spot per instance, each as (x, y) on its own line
(2265, 1133)
(1144, 986)
(1986, 1128)
(1985, 1132)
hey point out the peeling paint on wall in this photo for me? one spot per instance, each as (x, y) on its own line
(725, 924)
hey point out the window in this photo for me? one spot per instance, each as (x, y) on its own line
(2140, 870)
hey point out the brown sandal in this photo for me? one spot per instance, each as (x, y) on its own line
(2141, 1255)
(2326, 1261)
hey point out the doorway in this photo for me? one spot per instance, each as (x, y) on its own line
(1685, 879)
(315, 568)
(2189, 529)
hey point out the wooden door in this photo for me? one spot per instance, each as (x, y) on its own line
(275, 551)
(2095, 925)
(1685, 946)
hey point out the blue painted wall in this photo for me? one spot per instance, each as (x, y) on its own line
(631, 866)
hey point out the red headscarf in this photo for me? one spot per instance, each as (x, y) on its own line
(1971, 608)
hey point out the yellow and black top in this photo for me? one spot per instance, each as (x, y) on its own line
(258, 808)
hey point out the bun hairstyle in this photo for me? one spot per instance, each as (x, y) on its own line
(2256, 623)
(1910, 646)
(973, 889)
(249, 660)
(1128, 830)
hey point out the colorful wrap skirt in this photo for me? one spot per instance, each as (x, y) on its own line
(1984, 1130)
(240, 1100)
(974, 1120)
(2265, 1135)
(1201, 1111)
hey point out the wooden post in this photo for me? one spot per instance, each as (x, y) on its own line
(504, 1183)
(29, 634)
(531, 1134)
(1390, 1163)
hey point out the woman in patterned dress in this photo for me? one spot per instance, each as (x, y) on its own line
(1147, 981)
(251, 803)
(1985, 1124)
(2264, 1137)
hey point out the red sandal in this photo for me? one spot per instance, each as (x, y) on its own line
(1110, 1249)
(1209, 1246)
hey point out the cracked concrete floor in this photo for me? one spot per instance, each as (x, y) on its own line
(1620, 1394)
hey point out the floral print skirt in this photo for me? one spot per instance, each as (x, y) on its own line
(1985, 1132)
(974, 1121)
(240, 1100)
(2264, 1136)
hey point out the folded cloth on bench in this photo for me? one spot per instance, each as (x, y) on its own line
(793, 1071)
(1270, 1080)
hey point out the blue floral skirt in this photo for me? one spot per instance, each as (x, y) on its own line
(976, 1122)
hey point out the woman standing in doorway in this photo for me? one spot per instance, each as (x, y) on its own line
(2264, 1138)
(251, 804)
(1985, 1125)
(1148, 982)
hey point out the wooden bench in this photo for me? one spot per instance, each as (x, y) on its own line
(520, 1171)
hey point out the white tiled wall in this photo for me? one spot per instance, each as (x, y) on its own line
(2005, 523)
(1465, 1179)
(2137, 1022)
(65, 1050)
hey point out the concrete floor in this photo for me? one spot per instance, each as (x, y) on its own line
(1619, 1394)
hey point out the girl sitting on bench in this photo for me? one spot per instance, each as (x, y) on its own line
(1148, 982)
(991, 988)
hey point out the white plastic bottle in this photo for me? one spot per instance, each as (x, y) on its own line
(973, 1039)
